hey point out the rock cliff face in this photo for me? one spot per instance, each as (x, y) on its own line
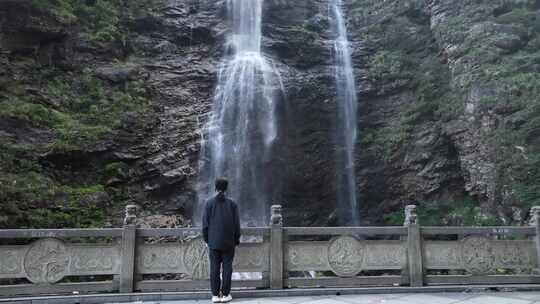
(103, 103)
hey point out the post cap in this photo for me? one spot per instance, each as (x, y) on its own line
(131, 215)
(534, 215)
(410, 215)
(276, 218)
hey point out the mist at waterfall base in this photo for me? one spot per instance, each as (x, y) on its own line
(241, 135)
(242, 128)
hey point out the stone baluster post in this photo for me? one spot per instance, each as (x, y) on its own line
(129, 240)
(276, 248)
(414, 247)
(535, 221)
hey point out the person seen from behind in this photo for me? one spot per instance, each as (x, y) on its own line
(221, 231)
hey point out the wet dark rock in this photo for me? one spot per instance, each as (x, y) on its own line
(96, 199)
(149, 24)
(165, 47)
(430, 104)
(21, 132)
(117, 74)
(510, 44)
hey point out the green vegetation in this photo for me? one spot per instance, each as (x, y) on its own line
(79, 109)
(30, 197)
(434, 99)
(527, 169)
(73, 112)
(63, 9)
(386, 140)
(37, 114)
(27, 199)
(467, 58)
(520, 16)
(57, 112)
(460, 213)
(390, 65)
(519, 147)
(100, 19)
(525, 84)
(527, 190)
(301, 35)
(302, 45)
(116, 169)
(89, 217)
(92, 111)
(70, 133)
(83, 190)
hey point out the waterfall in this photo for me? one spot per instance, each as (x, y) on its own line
(242, 126)
(347, 118)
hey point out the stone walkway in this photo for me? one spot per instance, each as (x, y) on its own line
(435, 298)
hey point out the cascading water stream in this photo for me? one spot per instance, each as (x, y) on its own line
(242, 126)
(347, 118)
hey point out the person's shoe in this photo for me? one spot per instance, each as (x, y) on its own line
(216, 299)
(226, 299)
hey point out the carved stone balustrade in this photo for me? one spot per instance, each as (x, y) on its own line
(408, 255)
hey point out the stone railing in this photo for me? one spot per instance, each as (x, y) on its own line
(130, 259)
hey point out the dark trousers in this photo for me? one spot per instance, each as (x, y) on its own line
(219, 259)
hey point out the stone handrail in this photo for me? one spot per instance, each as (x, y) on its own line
(132, 259)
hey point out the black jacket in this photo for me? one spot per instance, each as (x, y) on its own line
(221, 223)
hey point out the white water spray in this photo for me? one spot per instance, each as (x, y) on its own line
(242, 126)
(347, 118)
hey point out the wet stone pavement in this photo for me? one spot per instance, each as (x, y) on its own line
(431, 298)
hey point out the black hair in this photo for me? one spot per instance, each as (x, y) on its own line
(221, 185)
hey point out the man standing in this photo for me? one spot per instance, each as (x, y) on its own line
(221, 231)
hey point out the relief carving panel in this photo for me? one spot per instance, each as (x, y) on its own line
(514, 254)
(11, 261)
(46, 261)
(165, 258)
(251, 257)
(305, 256)
(384, 255)
(477, 255)
(345, 256)
(442, 255)
(196, 259)
(92, 260)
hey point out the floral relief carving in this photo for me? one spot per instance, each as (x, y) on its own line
(10, 262)
(161, 258)
(512, 256)
(306, 258)
(442, 254)
(196, 259)
(46, 261)
(477, 255)
(385, 256)
(345, 256)
(251, 257)
(90, 260)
